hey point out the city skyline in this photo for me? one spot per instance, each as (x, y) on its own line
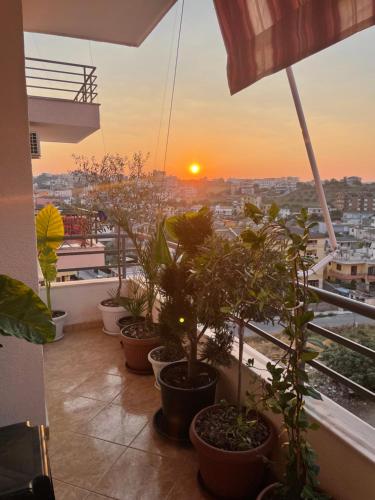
(253, 134)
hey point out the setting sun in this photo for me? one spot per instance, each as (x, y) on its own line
(194, 169)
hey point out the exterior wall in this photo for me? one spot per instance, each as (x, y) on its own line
(21, 363)
(80, 298)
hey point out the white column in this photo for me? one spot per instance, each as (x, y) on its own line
(21, 363)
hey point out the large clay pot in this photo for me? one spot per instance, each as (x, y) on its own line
(136, 352)
(263, 494)
(180, 405)
(231, 474)
(59, 318)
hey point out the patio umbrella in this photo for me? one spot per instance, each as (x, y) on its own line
(264, 36)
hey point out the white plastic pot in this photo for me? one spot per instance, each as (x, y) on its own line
(110, 315)
(158, 365)
(59, 323)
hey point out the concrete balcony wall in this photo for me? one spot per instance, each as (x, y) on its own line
(80, 299)
(61, 120)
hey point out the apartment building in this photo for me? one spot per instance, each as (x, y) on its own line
(363, 201)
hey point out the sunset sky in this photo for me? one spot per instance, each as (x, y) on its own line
(252, 134)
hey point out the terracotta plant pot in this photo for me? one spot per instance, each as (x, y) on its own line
(158, 365)
(59, 318)
(110, 315)
(180, 405)
(231, 474)
(136, 352)
(263, 494)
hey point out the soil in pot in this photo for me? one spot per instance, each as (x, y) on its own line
(165, 354)
(138, 339)
(128, 320)
(57, 314)
(162, 356)
(231, 448)
(182, 398)
(222, 427)
(109, 303)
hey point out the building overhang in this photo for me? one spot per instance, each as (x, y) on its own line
(126, 22)
(60, 120)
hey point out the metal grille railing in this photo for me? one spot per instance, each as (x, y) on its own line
(351, 305)
(48, 78)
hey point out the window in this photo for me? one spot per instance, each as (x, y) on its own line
(371, 271)
(354, 271)
(314, 283)
(338, 267)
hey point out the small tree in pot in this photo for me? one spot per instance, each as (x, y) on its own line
(141, 337)
(231, 439)
(188, 310)
(127, 198)
(289, 379)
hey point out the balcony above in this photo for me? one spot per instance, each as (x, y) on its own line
(61, 100)
(115, 21)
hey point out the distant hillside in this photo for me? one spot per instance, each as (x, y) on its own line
(305, 195)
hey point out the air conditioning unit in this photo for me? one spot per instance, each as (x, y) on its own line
(35, 145)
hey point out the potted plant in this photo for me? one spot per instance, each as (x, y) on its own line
(188, 309)
(141, 337)
(127, 198)
(23, 314)
(289, 380)
(50, 234)
(232, 440)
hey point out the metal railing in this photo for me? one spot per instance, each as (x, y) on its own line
(351, 305)
(48, 78)
(126, 251)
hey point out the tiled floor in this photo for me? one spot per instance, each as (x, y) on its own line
(102, 444)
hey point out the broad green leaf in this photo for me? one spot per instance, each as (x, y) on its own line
(23, 314)
(309, 355)
(47, 260)
(161, 249)
(49, 228)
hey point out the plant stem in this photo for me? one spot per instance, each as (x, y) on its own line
(119, 268)
(48, 294)
(241, 329)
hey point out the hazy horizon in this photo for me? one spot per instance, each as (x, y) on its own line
(254, 134)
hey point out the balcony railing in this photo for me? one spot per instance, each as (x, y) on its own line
(351, 305)
(47, 78)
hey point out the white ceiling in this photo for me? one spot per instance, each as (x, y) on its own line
(126, 22)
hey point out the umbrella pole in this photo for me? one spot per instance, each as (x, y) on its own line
(311, 155)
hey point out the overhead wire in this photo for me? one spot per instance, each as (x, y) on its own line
(173, 87)
(165, 88)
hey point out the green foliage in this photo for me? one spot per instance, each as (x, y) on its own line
(191, 302)
(288, 384)
(351, 364)
(190, 229)
(23, 314)
(50, 234)
(135, 302)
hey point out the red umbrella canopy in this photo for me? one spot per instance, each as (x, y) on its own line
(265, 36)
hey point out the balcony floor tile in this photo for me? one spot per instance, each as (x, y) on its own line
(102, 444)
